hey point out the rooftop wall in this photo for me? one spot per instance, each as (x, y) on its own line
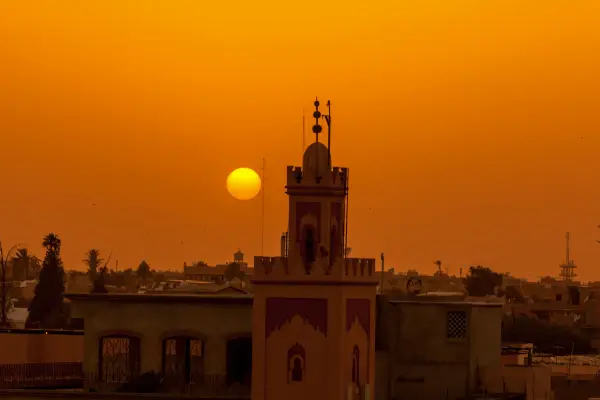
(20, 347)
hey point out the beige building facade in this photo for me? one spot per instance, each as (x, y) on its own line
(185, 335)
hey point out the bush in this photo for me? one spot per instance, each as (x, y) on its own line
(544, 336)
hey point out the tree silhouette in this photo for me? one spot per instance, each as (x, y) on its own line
(513, 295)
(482, 281)
(93, 261)
(46, 309)
(143, 271)
(99, 282)
(547, 338)
(438, 264)
(24, 262)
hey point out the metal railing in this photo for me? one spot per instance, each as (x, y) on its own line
(72, 376)
(35, 375)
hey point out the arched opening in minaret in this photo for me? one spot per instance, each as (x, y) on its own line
(309, 247)
(239, 361)
(333, 247)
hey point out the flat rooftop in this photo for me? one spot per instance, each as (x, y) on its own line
(161, 297)
(422, 302)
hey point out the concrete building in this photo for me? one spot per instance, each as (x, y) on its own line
(432, 349)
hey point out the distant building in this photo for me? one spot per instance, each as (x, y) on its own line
(201, 271)
(204, 273)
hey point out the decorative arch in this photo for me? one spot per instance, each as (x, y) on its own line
(356, 365)
(238, 335)
(120, 332)
(183, 332)
(296, 363)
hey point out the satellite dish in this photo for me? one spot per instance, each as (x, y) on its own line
(414, 286)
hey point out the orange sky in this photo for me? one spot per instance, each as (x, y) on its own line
(470, 127)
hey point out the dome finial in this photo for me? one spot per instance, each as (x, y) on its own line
(316, 130)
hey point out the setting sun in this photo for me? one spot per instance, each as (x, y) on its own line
(243, 184)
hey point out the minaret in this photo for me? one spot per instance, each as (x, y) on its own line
(567, 270)
(314, 310)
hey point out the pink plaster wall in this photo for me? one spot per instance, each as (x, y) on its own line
(20, 348)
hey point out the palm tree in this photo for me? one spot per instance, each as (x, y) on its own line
(52, 243)
(438, 264)
(93, 262)
(23, 262)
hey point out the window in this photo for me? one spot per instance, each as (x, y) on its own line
(559, 297)
(183, 358)
(296, 363)
(297, 370)
(456, 325)
(119, 358)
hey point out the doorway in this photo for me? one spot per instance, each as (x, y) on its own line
(239, 361)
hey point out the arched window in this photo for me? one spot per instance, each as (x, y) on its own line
(183, 357)
(119, 358)
(297, 369)
(296, 363)
(356, 365)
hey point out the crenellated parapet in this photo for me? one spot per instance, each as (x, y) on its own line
(359, 267)
(270, 266)
(335, 178)
(344, 270)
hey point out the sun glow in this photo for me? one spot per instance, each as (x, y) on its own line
(243, 184)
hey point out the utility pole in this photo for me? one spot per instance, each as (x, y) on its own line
(382, 271)
(262, 214)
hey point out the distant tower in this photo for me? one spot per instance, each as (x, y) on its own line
(567, 270)
(314, 310)
(238, 257)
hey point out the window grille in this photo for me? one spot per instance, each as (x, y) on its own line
(456, 325)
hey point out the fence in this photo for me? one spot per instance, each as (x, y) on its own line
(41, 375)
(72, 376)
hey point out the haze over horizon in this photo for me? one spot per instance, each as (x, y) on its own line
(470, 129)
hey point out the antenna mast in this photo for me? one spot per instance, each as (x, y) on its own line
(568, 237)
(328, 120)
(567, 270)
(316, 130)
(303, 133)
(262, 217)
(347, 190)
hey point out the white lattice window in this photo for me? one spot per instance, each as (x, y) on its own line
(456, 325)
